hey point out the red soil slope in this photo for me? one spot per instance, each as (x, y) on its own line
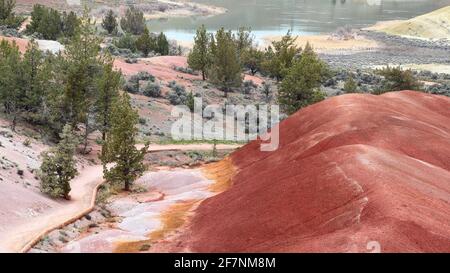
(350, 170)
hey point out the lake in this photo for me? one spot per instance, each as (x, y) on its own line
(276, 17)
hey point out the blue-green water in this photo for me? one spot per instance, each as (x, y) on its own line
(272, 17)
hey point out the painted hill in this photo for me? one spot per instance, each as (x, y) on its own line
(433, 25)
(351, 171)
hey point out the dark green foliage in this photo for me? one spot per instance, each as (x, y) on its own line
(46, 22)
(190, 102)
(145, 43)
(252, 60)
(7, 16)
(120, 145)
(12, 82)
(162, 45)
(280, 57)
(225, 68)
(108, 89)
(109, 22)
(126, 41)
(70, 23)
(58, 166)
(397, 79)
(301, 85)
(199, 58)
(133, 22)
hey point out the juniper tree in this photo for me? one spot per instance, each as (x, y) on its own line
(198, 58)
(36, 77)
(133, 22)
(70, 23)
(145, 43)
(58, 166)
(397, 79)
(109, 22)
(11, 80)
(162, 44)
(226, 68)
(280, 56)
(7, 15)
(108, 85)
(301, 86)
(82, 69)
(119, 149)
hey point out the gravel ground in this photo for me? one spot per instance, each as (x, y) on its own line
(395, 50)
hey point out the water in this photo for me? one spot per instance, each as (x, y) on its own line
(276, 17)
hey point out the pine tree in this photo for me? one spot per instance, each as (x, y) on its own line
(82, 69)
(108, 89)
(6, 8)
(133, 22)
(70, 23)
(226, 69)
(11, 81)
(162, 44)
(7, 16)
(58, 166)
(198, 58)
(281, 56)
(120, 145)
(36, 78)
(109, 22)
(301, 86)
(145, 43)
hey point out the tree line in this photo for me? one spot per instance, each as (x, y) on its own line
(223, 56)
(68, 96)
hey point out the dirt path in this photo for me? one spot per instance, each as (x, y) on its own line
(84, 188)
(83, 193)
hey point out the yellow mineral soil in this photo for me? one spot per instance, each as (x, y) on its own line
(433, 25)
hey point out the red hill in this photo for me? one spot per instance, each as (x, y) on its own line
(350, 170)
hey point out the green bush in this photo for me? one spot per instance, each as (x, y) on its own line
(178, 95)
(152, 90)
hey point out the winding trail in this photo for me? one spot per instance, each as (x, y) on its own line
(83, 194)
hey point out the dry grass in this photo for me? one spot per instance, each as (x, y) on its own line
(222, 173)
(433, 25)
(329, 44)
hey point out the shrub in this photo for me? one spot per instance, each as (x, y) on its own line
(131, 87)
(126, 41)
(27, 142)
(145, 76)
(396, 79)
(178, 95)
(186, 70)
(152, 90)
(142, 121)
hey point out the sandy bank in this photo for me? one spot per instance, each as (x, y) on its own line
(433, 25)
(330, 45)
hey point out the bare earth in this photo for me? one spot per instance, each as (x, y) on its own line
(18, 234)
(330, 45)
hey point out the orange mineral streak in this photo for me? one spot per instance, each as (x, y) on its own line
(222, 173)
